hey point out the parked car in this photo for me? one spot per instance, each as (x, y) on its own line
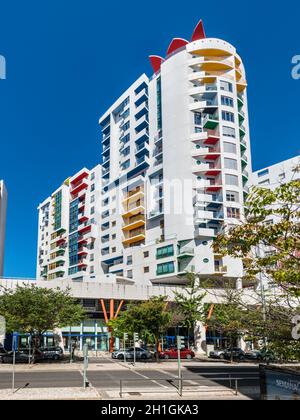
(20, 357)
(234, 353)
(260, 355)
(141, 354)
(173, 354)
(50, 353)
(217, 354)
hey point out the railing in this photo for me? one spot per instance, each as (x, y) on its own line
(186, 251)
(181, 385)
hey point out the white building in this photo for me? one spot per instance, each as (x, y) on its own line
(275, 175)
(176, 162)
(68, 228)
(3, 205)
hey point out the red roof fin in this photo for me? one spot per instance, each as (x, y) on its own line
(199, 32)
(176, 44)
(156, 62)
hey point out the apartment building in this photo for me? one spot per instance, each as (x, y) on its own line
(175, 165)
(3, 205)
(68, 231)
(275, 175)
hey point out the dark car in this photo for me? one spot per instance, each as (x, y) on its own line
(2, 350)
(234, 353)
(173, 354)
(50, 353)
(260, 356)
(20, 357)
(140, 354)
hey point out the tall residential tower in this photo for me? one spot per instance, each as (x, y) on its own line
(176, 163)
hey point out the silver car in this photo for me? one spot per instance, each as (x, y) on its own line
(217, 354)
(141, 354)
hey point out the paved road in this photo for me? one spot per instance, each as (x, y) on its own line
(161, 380)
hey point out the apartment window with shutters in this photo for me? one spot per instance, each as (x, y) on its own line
(229, 147)
(229, 132)
(233, 213)
(230, 163)
(146, 270)
(232, 180)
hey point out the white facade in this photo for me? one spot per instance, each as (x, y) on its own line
(68, 237)
(3, 205)
(275, 175)
(176, 162)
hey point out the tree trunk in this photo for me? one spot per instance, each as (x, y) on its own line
(157, 349)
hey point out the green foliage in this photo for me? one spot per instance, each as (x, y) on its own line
(149, 319)
(189, 302)
(34, 310)
(282, 266)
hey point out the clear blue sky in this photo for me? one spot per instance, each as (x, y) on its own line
(68, 60)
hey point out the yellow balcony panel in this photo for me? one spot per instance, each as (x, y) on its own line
(212, 52)
(241, 85)
(134, 197)
(216, 66)
(138, 238)
(134, 225)
(128, 212)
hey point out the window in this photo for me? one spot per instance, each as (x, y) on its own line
(225, 100)
(230, 163)
(227, 116)
(228, 131)
(263, 173)
(146, 270)
(126, 151)
(93, 176)
(114, 236)
(92, 257)
(113, 224)
(130, 274)
(146, 254)
(125, 165)
(92, 210)
(233, 213)
(93, 187)
(232, 180)
(229, 147)
(92, 199)
(198, 118)
(266, 182)
(226, 86)
(113, 250)
(167, 251)
(126, 126)
(129, 260)
(167, 268)
(232, 196)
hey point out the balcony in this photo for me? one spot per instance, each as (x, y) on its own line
(134, 236)
(209, 137)
(208, 153)
(79, 178)
(134, 195)
(134, 223)
(83, 186)
(241, 85)
(210, 122)
(206, 232)
(221, 269)
(185, 252)
(133, 210)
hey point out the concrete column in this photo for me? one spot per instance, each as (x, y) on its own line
(200, 338)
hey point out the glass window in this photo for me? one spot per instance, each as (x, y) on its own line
(230, 163)
(227, 101)
(167, 251)
(227, 116)
(226, 86)
(167, 268)
(232, 180)
(233, 213)
(229, 147)
(228, 131)
(263, 173)
(232, 196)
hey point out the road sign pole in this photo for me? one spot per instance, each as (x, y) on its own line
(124, 344)
(14, 343)
(179, 345)
(85, 365)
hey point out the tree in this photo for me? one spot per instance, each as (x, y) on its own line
(34, 311)
(270, 327)
(282, 264)
(189, 302)
(149, 319)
